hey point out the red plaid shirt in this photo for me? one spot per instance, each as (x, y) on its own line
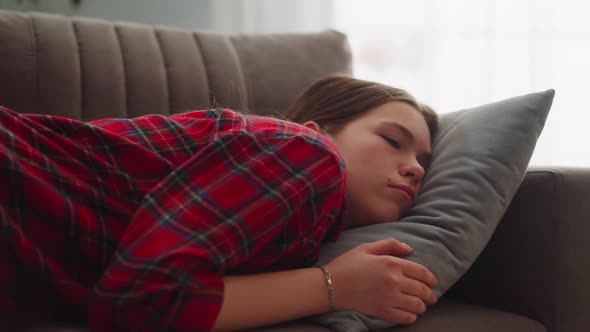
(132, 223)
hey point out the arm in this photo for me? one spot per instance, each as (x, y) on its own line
(264, 299)
(366, 279)
(243, 205)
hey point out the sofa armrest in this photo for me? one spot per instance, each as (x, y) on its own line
(537, 264)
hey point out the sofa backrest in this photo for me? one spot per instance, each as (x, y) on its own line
(89, 68)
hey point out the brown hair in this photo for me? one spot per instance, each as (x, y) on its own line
(334, 101)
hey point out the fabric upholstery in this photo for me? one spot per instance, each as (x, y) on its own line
(452, 316)
(90, 68)
(446, 316)
(536, 263)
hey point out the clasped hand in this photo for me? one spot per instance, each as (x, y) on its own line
(371, 279)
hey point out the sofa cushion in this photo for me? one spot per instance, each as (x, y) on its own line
(86, 68)
(450, 316)
(479, 158)
(446, 316)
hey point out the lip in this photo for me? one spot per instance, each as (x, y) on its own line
(407, 190)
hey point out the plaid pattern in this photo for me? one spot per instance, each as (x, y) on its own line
(131, 223)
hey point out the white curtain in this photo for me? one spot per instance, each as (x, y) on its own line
(268, 16)
(455, 54)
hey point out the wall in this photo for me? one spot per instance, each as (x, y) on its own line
(271, 16)
(192, 14)
(232, 16)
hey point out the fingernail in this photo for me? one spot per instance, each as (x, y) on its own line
(407, 246)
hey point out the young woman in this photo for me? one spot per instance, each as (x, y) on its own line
(212, 219)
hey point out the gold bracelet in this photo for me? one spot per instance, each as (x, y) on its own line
(332, 305)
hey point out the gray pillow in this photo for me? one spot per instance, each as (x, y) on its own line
(479, 159)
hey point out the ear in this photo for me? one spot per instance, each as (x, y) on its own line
(314, 126)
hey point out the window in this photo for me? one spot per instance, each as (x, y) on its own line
(455, 54)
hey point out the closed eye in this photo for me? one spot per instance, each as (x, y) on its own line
(392, 142)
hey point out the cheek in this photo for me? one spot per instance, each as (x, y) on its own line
(368, 167)
(368, 160)
(368, 173)
(361, 155)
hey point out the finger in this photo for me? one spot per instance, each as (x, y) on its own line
(418, 272)
(397, 315)
(418, 289)
(409, 303)
(388, 246)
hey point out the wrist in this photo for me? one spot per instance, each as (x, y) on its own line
(330, 289)
(280, 296)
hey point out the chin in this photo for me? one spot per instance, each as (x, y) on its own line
(371, 215)
(387, 217)
(394, 216)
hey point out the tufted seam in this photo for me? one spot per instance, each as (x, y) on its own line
(35, 43)
(82, 90)
(555, 299)
(125, 80)
(166, 69)
(244, 96)
(552, 322)
(207, 73)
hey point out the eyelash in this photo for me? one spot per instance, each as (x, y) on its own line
(396, 145)
(392, 142)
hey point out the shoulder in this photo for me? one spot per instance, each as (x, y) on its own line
(237, 132)
(275, 131)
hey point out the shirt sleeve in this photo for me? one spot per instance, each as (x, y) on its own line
(244, 204)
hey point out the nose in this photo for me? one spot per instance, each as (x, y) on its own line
(413, 171)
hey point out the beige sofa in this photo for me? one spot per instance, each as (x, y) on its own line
(534, 274)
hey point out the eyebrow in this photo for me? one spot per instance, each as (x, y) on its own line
(406, 132)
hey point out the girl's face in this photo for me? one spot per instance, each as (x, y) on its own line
(386, 151)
